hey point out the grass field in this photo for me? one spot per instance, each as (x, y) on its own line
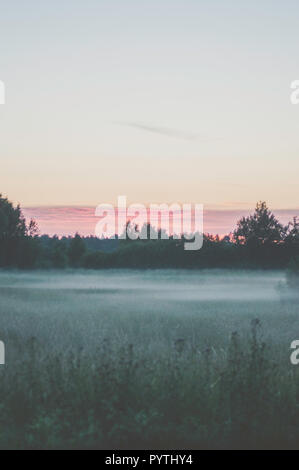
(147, 359)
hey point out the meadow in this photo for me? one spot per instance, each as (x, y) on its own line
(164, 359)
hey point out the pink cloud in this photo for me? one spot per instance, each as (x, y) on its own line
(69, 220)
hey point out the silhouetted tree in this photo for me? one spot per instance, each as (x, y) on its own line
(76, 250)
(32, 230)
(261, 228)
(59, 253)
(292, 237)
(259, 240)
(12, 222)
(18, 244)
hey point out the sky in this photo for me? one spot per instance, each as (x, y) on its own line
(162, 101)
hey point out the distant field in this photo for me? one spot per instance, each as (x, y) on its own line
(99, 359)
(137, 306)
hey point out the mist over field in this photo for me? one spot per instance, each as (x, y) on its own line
(128, 305)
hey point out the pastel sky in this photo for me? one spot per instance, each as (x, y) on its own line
(161, 101)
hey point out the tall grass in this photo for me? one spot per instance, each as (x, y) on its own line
(239, 397)
(91, 370)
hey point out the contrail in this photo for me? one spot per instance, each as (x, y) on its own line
(167, 131)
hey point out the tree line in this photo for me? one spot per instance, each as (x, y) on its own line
(259, 241)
